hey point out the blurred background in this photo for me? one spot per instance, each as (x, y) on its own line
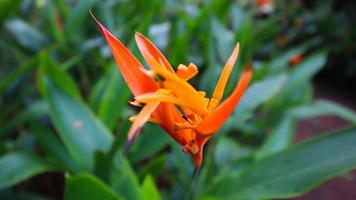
(303, 53)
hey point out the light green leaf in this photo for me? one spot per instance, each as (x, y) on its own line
(149, 189)
(280, 138)
(323, 107)
(82, 133)
(26, 35)
(260, 92)
(88, 187)
(302, 73)
(292, 172)
(17, 167)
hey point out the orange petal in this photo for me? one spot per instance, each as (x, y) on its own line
(150, 51)
(220, 87)
(187, 73)
(129, 66)
(181, 89)
(156, 97)
(140, 120)
(216, 118)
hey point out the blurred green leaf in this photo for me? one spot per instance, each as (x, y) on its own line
(78, 16)
(258, 93)
(123, 179)
(58, 75)
(152, 140)
(114, 97)
(26, 35)
(17, 73)
(16, 167)
(280, 138)
(226, 151)
(32, 112)
(149, 189)
(323, 107)
(7, 7)
(87, 186)
(81, 132)
(302, 73)
(54, 149)
(292, 172)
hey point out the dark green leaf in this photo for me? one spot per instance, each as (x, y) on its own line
(54, 149)
(17, 167)
(86, 186)
(292, 172)
(123, 179)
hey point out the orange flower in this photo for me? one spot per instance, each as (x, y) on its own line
(168, 100)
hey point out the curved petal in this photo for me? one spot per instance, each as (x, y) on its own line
(220, 87)
(181, 89)
(140, 120)
(149, 51)
(129, 66)
(216, 119)
(156, 97)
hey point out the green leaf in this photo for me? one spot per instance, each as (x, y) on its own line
(149, 189)
(17, 167)
(78, 16)
(58, 75)
(32, 112)
(152, 140)
(305, 71)
(81, 132)
(226, 151)
(54, 149)
(86, 186)
(17, 73)
(280, 138)
(323, 107)
(292, 172)
(123, 179)
(26, 35)
(260, 92)
(8, 7)
(114, 97)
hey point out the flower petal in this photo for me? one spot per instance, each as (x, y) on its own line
(157, 97)
(220, 87)
(181, 89)
(149, 51)
(140, 120)
(129, 66)
(187, 73)
(216, 118)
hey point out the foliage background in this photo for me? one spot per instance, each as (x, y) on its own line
(64, 104)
